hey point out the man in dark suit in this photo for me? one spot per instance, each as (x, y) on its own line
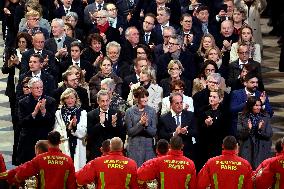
(36, 63)
(49, 60)
(139, 63)
(103, 123)
(147, 36)
(235, 67)
(163, 19)
(128, 47)
(119, 67)
(76, 51)
(239, 98)
(191, 35)
(179, 122)
(60, 43)
(36, 119)
(115, 20)
(66, 7)
(70, 80)
(176, 52)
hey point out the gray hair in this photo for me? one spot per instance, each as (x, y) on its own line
(59, 21)
(34, 80)
(127, 31)
(178, 38)
(173, 30)
(215, 76)
(102, 93)
(72, 14)
(113, 44)
(110, 83)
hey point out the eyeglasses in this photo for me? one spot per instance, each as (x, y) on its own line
(167, 36)
(26, 87)
(141, 53)
(188, 21)
(172, 44)
(148, 22)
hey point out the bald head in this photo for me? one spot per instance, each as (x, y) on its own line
(116, 144)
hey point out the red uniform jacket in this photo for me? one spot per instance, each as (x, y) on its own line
(113, 171)
(3, 173)
(273, 174)
(55, 170)
(171, 171)
(264, 164)
(226, 171)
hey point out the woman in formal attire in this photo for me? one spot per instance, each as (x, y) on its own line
(105, 72)
(148, 81)
(71, 123)
(212, 126)
(95, 51)
(254, 132)
(239, 16)
(175, 70)
(141, 121)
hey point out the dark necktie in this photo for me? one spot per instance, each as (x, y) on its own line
(147, 38)
(177, 120)
(66, 11)
(38, 52)
(59, 40)
(100, 7)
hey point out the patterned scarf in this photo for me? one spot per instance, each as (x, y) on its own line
(67, 114)
(255, 119)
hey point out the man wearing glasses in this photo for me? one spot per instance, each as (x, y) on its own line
(236, 67)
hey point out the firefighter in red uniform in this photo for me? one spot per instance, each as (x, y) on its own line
(227, 170)
(273, 174)
(40, 147)
(162, 149)
(112, 171)
(171, 171)
(278, 149)
(55, 169)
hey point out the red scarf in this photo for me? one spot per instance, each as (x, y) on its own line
(103, 28)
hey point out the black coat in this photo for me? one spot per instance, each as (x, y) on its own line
(47, 79)
(235, 71)
(167, 126)
(51, 45)
(33, 129)
(166, 85)
(131, 79)
(97, 132)
(50, 68)
(82, 93)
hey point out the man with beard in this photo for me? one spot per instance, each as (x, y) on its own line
(239, 98)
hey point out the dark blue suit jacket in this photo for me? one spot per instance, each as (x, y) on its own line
(167, 126)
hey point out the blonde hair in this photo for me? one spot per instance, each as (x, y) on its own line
(175, 62)
(200, 49)
(32, 13)
(66, 95)
(213, 48)
(150, 72)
